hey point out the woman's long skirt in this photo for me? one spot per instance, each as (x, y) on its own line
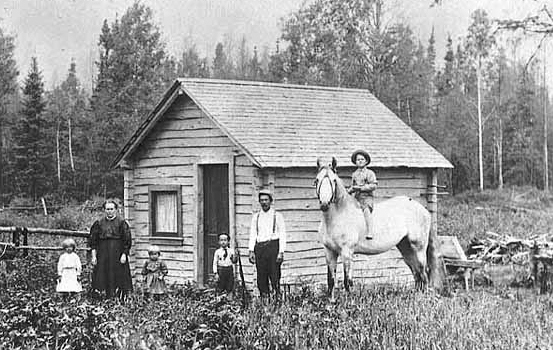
(109, 274)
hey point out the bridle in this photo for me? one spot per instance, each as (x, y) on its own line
(318, 185)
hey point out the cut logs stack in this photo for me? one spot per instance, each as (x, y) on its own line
(535, 253)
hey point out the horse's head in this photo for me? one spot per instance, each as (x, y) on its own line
(326, 183)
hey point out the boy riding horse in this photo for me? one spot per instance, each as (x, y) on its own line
(363, 183)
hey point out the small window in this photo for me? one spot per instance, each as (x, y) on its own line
(165, 211)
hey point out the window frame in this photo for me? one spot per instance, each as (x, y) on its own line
(152, 191)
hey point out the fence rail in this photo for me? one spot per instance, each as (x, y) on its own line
(20, 236)
(44, 231)
(32, 247)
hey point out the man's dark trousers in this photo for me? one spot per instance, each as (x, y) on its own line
(267, 267)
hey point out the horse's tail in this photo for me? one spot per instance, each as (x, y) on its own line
(432, 258)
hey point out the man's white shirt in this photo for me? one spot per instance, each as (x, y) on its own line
(265, 221)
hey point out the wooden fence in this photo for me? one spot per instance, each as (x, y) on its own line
(20, 238)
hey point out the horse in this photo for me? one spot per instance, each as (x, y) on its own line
(397, 222)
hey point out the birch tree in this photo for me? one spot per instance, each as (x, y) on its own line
(478, 45)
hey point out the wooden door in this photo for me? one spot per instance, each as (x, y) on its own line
(216, 211)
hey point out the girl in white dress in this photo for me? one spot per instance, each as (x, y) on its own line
(69, 268)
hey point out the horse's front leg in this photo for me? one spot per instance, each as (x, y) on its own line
(347, 257)
(331, 262)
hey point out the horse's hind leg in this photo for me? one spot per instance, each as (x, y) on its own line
(415, 258)
(331, 262)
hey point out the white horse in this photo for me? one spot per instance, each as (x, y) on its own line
(397, 222)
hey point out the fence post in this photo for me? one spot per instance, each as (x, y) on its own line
(25, 241)
(16, 237)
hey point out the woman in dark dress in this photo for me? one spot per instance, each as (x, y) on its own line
(110, 241)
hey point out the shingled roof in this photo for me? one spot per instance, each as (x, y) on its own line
(285, 125)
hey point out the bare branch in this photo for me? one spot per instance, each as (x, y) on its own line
(535, 51)
(492, 112)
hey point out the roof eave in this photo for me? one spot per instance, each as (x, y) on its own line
(311, 165)
(138, 136)
(248, 154)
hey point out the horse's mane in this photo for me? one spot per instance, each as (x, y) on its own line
(341, 192)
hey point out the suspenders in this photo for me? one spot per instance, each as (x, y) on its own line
(257, 222)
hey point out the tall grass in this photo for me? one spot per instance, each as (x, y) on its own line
(386, 318)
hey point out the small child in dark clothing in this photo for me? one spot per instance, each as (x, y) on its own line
(223, 268)
(154, 272)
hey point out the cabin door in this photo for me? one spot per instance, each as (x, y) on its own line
(215, 212)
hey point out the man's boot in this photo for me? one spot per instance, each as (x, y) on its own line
(368, 221)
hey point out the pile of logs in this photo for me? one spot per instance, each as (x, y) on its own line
(506, 249)
(535, 254)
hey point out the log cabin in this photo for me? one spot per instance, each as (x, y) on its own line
(194, 166)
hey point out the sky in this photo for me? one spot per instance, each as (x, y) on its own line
(57, 31)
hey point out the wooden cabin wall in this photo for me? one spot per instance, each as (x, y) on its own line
(245, 199)
(169, 156)
(295, 198)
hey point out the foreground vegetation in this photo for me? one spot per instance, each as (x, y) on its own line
(369, 318)
(384, 317)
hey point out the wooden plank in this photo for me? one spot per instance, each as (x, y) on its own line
(243, 199)
(191, 123)
(168, 161)
(449, 247)
(313, 216)
(246, 171)
(176, 170)
(222, 141)
(142, 190)
(345, 173)
(298, 182)
(186, 134)
(184, 152)
(171, 257)
(299, 204)
(166, 245)
(243, 160)
(153, 181)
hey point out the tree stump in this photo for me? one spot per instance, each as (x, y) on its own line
(543, 273)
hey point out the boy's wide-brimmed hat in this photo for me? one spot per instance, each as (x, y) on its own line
(153, 249)
(363, 153)
(266, 192)
(69, 242)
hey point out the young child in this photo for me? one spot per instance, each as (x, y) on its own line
(223, 261)
(69, 268)
(363, 183)
(154, 272)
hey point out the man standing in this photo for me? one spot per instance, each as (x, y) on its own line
(267, 244)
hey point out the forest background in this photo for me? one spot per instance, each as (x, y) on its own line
(482, 105)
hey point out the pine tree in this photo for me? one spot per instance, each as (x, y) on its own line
(254, 69)
(219, 62)
(8, 88)
(32, 150)
(276, 71)
(133, 73)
